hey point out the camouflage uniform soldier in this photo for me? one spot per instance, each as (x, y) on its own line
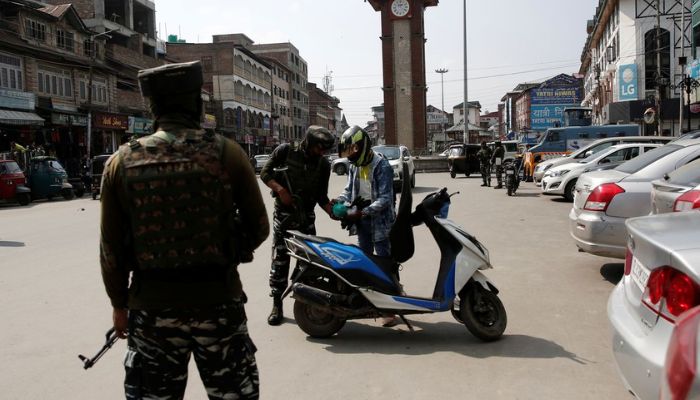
(497, 159)
(180, 209)
(297, 190)
(484, 155)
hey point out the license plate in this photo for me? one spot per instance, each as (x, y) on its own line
(640, 274)
(510, 172)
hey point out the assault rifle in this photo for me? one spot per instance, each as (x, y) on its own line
(110, 338)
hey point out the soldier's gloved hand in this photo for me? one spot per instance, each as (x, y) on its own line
(120, 321)
(285, 197)
(353, 216)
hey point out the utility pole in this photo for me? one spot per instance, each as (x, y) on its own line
(681, 62)
(659, 78)
(442, 72)
(465, 109)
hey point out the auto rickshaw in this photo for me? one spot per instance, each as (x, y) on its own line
(47, 178)
(462, 159)
(97, 166)
(13, 184)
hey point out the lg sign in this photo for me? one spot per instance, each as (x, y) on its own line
(628, 82)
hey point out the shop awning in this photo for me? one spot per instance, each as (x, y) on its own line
(10, 117)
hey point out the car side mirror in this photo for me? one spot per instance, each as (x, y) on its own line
(407, 158)
(588, 153)
(604, 161)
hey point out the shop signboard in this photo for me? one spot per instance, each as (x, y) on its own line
(564, 95)
(628, 82)
(68, 119)
(17, 100)
(209, 121)
(140, 126)
(110, 121)
(546, 116)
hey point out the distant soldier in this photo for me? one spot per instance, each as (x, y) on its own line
(180, 209)
(497, 159)
(484, 155)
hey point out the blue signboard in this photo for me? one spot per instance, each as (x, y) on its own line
(547, 116)
(628, 82)
(549, 96)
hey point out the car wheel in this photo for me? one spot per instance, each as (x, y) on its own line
(569, 190)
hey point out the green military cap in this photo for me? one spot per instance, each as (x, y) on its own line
(171, 79)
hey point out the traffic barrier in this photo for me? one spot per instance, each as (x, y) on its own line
(431, 164)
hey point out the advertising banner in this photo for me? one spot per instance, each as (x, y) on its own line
(551, 96)
(628, 82)
(140, 126)
(547, 116)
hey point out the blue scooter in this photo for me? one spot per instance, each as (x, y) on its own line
(335, 282)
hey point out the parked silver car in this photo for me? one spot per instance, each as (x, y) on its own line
(593, 148)
(680, 376)
(603, 200)
(661, 281)
(678, 190)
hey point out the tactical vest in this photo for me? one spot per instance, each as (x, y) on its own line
(304, 178)
(176, 188)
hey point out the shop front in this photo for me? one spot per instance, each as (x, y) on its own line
(108, 132)
(140, 126)
(18, 121)
(66, 139)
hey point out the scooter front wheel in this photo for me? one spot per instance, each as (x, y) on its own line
(315, 321)
(483, 313)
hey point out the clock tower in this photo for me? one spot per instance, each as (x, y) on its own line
(403, 61)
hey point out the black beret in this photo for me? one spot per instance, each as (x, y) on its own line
(171, 79)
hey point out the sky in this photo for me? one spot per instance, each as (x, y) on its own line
(509, 42)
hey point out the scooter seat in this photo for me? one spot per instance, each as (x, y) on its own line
(311, 238)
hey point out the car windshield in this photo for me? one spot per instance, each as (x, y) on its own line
(636, 164)
(56, 166)
(687, 175)
(391, 153)
(10, 168)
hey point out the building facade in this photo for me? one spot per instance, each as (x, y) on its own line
(323, 109)
(282, 123)
(620, 62)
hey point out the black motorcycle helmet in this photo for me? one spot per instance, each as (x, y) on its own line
(174, 89)
(318, 135)
(355, 136)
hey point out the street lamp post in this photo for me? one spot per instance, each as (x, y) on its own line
(442, 72)
(465, 109)
(93, 57)
(687, 84)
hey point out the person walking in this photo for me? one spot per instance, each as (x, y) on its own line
(371, 178)
(298, 177)
(484, 155)
(181, 209)
(497, 159)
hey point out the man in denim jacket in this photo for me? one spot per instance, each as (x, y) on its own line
(370, 177)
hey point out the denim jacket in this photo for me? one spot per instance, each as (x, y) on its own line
(381, 210)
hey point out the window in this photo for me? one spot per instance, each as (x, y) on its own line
(56, 81)
(64, 40)
(88, 47)
(11, 72)
(35, 30)
(650, 46)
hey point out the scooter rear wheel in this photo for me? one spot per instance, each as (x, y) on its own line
(315, 321)
(483, 313)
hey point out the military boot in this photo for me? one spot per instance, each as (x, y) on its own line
(276, 315)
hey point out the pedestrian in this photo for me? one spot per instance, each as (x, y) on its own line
(497, 160)
(484, 155)
(371, 178)
(180, 209)
(297, 190)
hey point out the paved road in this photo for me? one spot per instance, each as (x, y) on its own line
(556, 344)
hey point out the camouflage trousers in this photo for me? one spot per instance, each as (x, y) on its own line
(499, 175)
(283, 221)
(160, 344)
(485, 169)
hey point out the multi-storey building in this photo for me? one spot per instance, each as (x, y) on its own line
(323, 108)
(49, 60)
(378, 123)
(241, 85)
(288, 55)
(437, 122)
(128, 26)
(282, 124)
(620, 61)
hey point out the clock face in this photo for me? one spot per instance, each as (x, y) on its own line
(400, 8)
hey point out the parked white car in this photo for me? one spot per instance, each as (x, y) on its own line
(561, 180)
(678, 190)
(397, 155)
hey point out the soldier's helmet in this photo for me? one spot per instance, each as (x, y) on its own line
(355, 136)
(174, 88)
(318, 135)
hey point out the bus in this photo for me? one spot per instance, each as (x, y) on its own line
(575, 134)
